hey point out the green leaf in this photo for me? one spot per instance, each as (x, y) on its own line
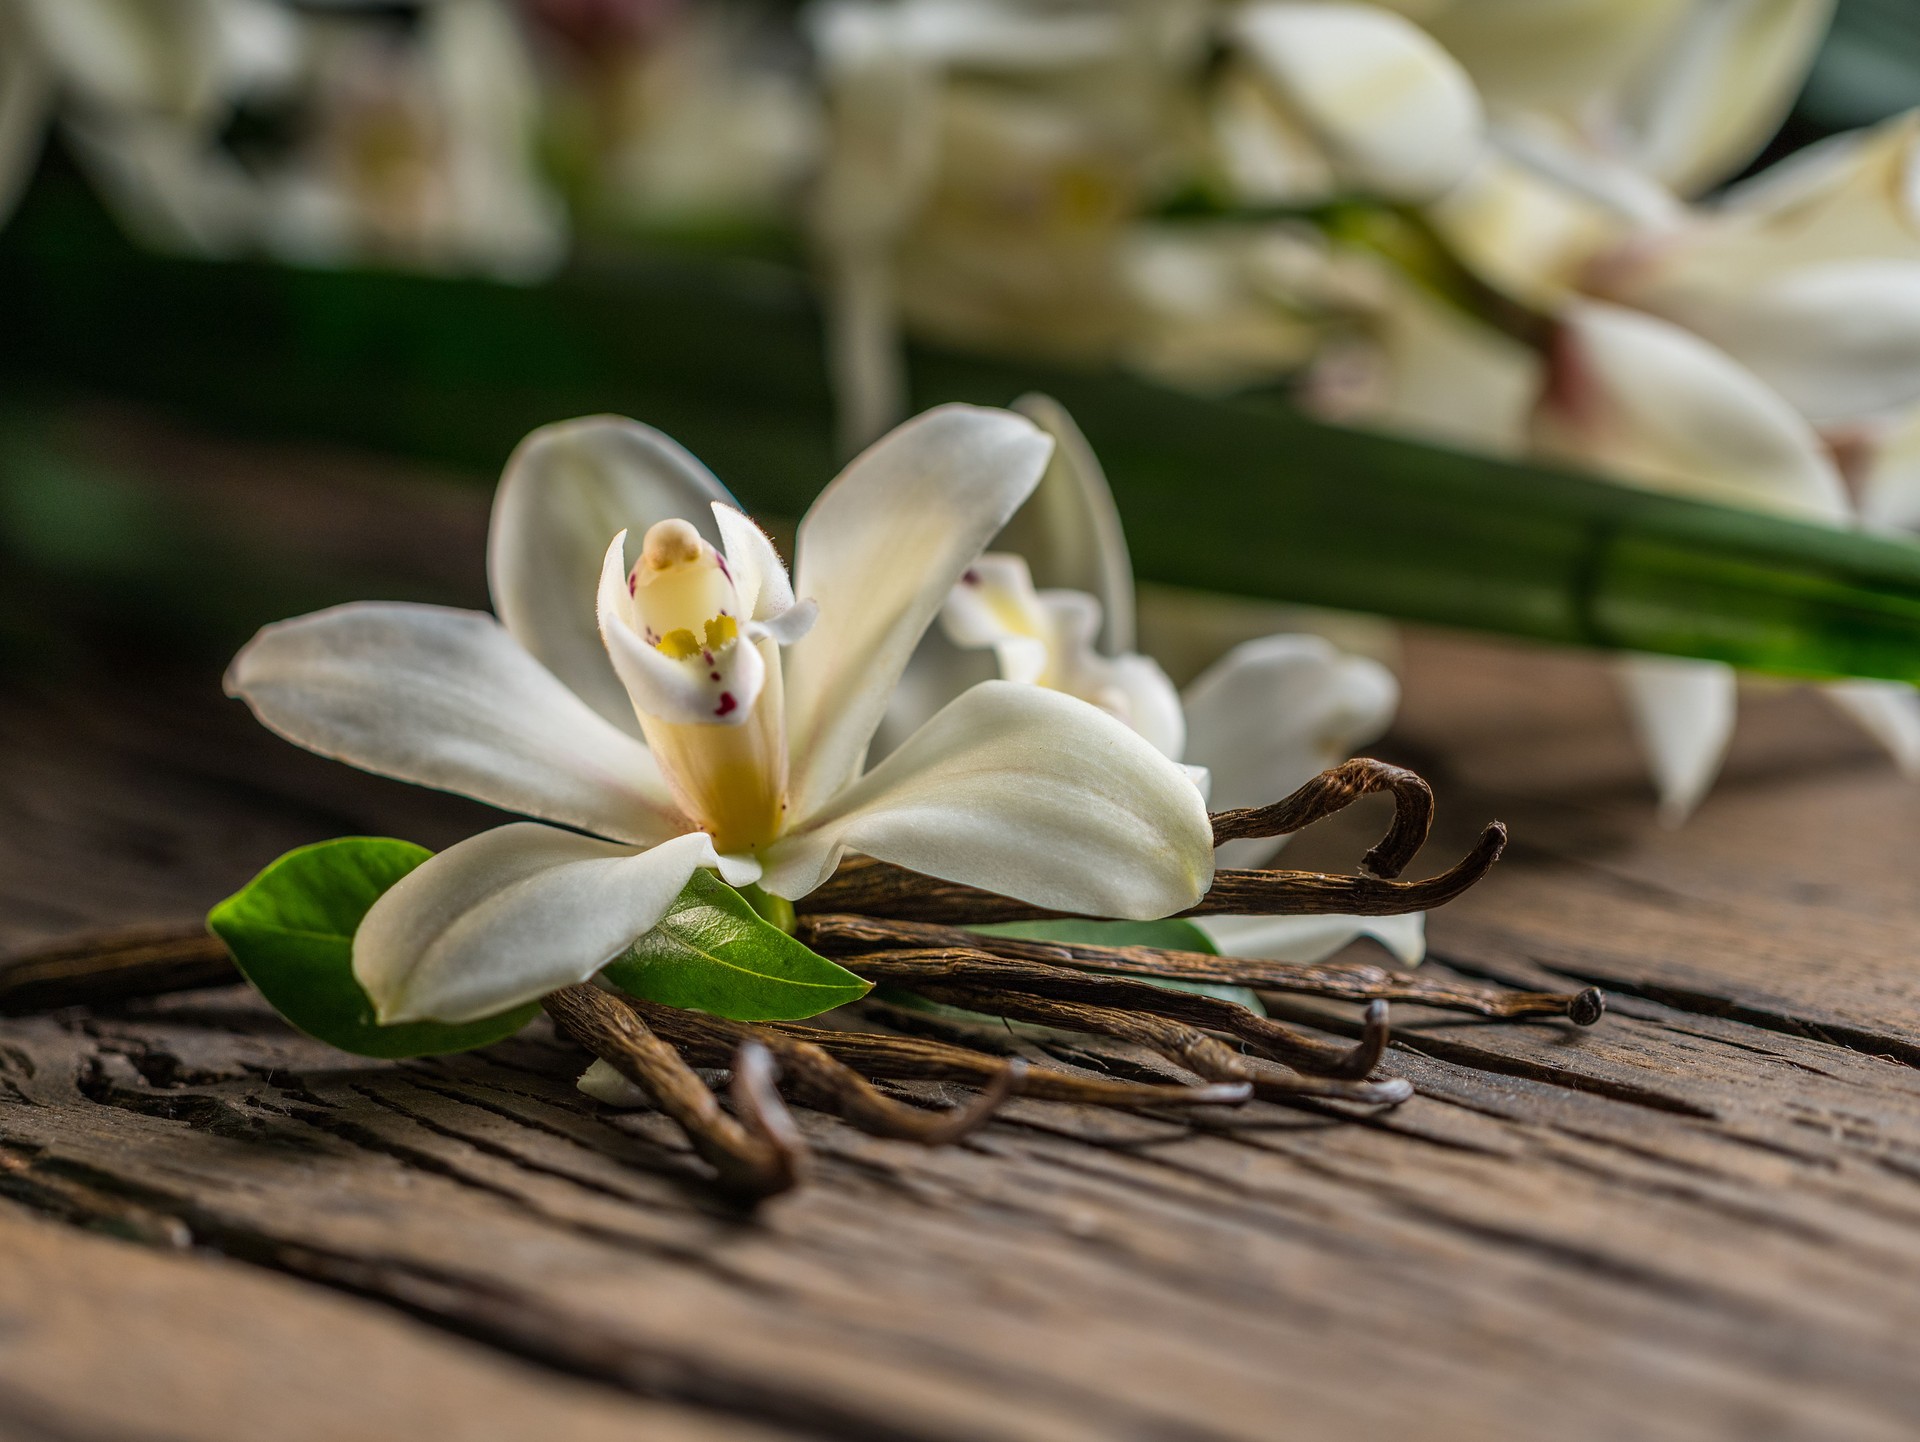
(1171, 934)
(291, 929)
(711, 952)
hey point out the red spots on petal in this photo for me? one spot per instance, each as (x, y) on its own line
(727, 704)
(969, 577)
(713, 675)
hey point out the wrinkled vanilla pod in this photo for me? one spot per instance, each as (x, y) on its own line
(851, 936)
(987, 977)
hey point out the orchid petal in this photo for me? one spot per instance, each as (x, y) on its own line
(1566, 62)
(1683, 712)
(1839, 341)
(1888, 711)
(1069, 529)
(1273, 713)
(1890, 489)
(1720, 86)
(566, 489)
(1309, 939)
(1026, 792)
(938, 672)
(509, 915)
(1653, 405)
(1138, 691)
(708, 687)
(759, 578)
(608, 1087)
(448, 699)
(789, 626)
(1854, 196)
(879, 551)
(995, 606)
(1395, 111)
(160, 60)
(26, 97)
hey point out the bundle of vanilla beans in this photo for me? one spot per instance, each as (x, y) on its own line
(908, 934)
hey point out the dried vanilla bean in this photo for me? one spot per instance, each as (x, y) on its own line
(101, 967)
(1333, 791)
(757, 1156)
(814, 1076)
(1185, 1045)
(916, 1058)
(843, 936)
(986, 976)
(876, 888)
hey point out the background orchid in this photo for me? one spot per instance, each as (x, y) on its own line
(755, 709)
(1256, 724)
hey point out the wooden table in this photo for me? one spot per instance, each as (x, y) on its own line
(1699, 1219)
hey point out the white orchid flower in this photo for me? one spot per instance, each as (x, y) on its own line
(688, 712)
(1652, 405)
(1257, 724)
(1349, 97)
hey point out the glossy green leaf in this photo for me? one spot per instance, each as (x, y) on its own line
(291, 929)
(712, 952)
(1170, 934)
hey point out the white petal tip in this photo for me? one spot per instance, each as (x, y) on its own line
(608, 1087)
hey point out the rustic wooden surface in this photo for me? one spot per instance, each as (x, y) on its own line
(1700, 1219)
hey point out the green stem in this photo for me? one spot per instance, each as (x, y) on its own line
(775, 910)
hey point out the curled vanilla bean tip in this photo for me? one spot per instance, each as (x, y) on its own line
(1223, 1094)
(764, 1114)
(1333, 791)
(1391, 1091)
(1308, 893)
(1374, 1036)
(1587, 1007)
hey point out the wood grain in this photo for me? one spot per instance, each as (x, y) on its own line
(1697, 1220)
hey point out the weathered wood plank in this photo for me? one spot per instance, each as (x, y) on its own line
(106, 1339)
(1698, 1220)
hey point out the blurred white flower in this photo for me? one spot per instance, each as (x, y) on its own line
(689, 710)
